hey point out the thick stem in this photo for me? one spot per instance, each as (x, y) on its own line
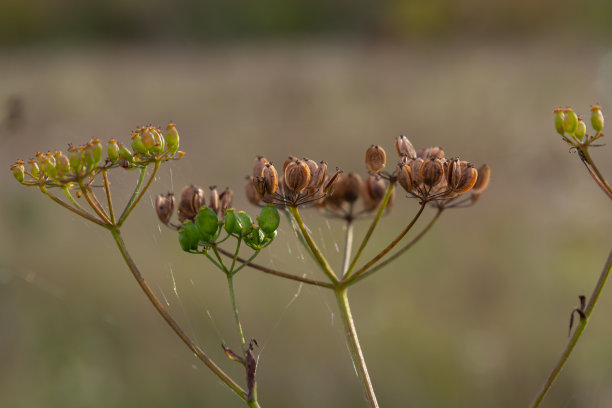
(577, 333)
(354, 347)
(171, 322)
(368, 234)
(313, 247)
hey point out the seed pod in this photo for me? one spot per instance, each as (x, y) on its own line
(207, 222)
(96, 150)
(172, 138)
(260, 186)
(62, 163)
(290, 159)
(453, 173)
(232, 224)
(164, 207)
(269, 219)
(190, 201)
(431, 153)
(415, 166)
(75, 158)
(297, 176)
(351, 186)
(48, 166)
(469, 175)
(580, 131)
(570, 120)
(34, 169)
(246, 223)
(330, 183)
(189, 237)
(270, 178)
(112, 150)
(597, 119)
(18, 171)
(431, 172)
(258, 166)
(404, 147)
(404, 177)
(225, 199)
(374, 190)
(138, 145)
(158, 140)
(375, 159)
(559, 118)
(318, 177)
(250, 191)
(482, 181)
(213, 199)
(125, 154)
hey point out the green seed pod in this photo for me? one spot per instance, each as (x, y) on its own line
(246, 223)
(269, 219)
(125, 153)
(34, 169)
(580, 130)
(256, 238)
(138, 144)
(189, 236)
(62, 163)
(172, 138)
(207, 221)
(232, 224)
(570, 121)
(597, 119)
(18, 171)
(559, 119)
(96, 149)
(112, 150)
(158, 140)
(75, 157)
(48, 167)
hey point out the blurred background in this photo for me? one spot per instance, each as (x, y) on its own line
(474, 316)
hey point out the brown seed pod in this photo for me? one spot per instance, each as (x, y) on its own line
(258, 165)
(373, 190)
(213, 199)
(431, 172)
(350, 187)
(415, 165)
(297, 176)
(312, 167)
(469, 175)
(404, 147)
(270, 178)
(290, 159)
(225, 200)
(482, 181)
(331, 182)
(190, 201)
(164, 207)
(453, 173)
(404, 177)
(249, 190)
(431, 153)
(375, 159)
(318, 177)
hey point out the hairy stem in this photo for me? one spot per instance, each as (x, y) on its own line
(577, 333)
(354, 347)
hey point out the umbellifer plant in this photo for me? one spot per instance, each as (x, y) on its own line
(231, 240)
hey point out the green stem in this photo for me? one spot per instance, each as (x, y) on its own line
(599, 179)
(231, 269)
(348, 246)
(99, 211)
(354, 347)
(368, 234)
(313, 247)
(230, 284)
(70, 198)
(577, 333)
(245, 263)
(108, 196)
(137, 194)
(171, 322)
(78, 212)
(363, 273)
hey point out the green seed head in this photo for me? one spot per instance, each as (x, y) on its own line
(570, 121)
(189, 236)
(559, 119)
(269, 219)
(172, 137)
(207, 221)
(18, 171)
(112, 150)
(580, 131)
(139, 144)
(597, 119)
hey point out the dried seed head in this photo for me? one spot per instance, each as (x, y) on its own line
(250, 191)
(415, 166)
(290, 159)
(312, 167)
(225, 200)
(375, 159)
(482, 181)
(373, 192)
(404, 177)
(164, 206)
(469, 175)
(213, 199)
(190, 201)
(404, 147)
(270, 178)
(297, 176)
(431, 172)
(258, 166)
(453, 173)
(350, 187)
(331, 181)
(318, 177)
(431, 153)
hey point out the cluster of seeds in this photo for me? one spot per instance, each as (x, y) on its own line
(150, 144)
(573, 129)
(303, 182)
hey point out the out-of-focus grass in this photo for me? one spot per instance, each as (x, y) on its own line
(474, 316)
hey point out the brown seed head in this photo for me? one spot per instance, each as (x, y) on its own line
(290, 159)
(404, 177)
(270, 178)
(350, 187)
(331, 182)
(482, 181)
(415, 166)
(258, 166)
(431, 153)
(374, 190)
(213, 199)
(297, 176)
(404, 147)
(190, 201)
(375, 159)
(431, 172)
(469, 175)
(164, 206)
(225, 200)
(453, 173)
(318, 177)
(250, 191)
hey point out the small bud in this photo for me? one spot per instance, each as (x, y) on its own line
(164, 206)
(270, 178)
(225, 199)
(190, 201)
(597, 119)
(404, 177)
(269, 219)
(297, 176)
(207, 222)
(431, 172)
(258, 166)
(404, 147)
(580, 131)
(112, 150)
(213, 199)
(125, 153)
(189, 237)
(251, 193)
(375, 159)
(18, 171)
(62, 163)
(559, 119)
(570, 121)
(138, 144)
(172, 138)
